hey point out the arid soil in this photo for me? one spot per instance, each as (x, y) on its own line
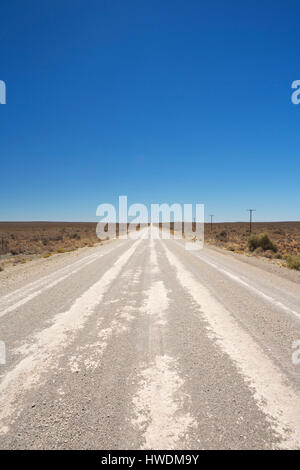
(21, 241)
(234, 236)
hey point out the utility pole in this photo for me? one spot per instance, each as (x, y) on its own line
(211, 221)
(250, 226)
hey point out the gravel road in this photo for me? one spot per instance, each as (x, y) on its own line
(141, 344)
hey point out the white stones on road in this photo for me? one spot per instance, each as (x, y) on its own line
(16, 299)
(121, 315)
(156, 302)
(279, 402)
(130, 296)
(46, 345)
(159, 406)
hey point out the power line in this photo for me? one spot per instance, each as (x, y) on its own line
(250, 226)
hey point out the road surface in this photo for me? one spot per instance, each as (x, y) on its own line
(141, 344)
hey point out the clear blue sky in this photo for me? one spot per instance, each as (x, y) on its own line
(163, 101)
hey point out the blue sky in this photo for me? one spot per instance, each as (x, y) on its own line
(162, 101)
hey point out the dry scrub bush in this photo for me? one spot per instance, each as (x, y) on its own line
(261, 241)
(293, 262)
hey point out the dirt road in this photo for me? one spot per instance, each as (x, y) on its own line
(141, 344)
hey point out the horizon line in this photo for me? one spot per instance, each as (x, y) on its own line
(96, 222)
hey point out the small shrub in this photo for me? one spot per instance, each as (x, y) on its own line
(266, 243)
(253, 242)
(222, 236)
(293, 262)
(263, 241)
(1, 268)
(75, 236)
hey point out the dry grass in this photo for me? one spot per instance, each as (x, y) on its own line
(235, 237)
(293, 262)
(274, 240)
(22, 240)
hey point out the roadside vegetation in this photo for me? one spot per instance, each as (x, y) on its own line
(261, 242)
(293, 262)
(22, 241)
(278, 241)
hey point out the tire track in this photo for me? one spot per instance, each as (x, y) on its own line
(279, 402)
(43, 354)
(160, 402)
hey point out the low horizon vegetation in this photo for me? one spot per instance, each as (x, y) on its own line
(274, 240)
(22, 241)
